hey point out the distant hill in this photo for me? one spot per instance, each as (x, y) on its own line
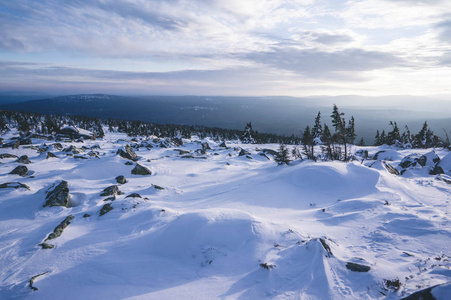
(279, 115)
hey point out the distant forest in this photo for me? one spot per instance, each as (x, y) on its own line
(334, 144)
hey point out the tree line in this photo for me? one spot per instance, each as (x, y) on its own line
(51, 124)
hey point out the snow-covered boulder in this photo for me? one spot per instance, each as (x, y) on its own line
(387, 155)
(58, 195)
(14, 185)
(141, 170)
(111, 191)
(128, 153)
(445, 164)
(23, 160)
(20, 170)
(429, 159)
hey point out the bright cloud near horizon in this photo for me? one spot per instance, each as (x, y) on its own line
(233, 47)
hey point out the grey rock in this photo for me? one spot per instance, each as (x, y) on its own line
(243, 152)
(60, 228)
(127, 153)
(134, 195)
(7, 155)
(50, 155)
(46, 246)
(20, 170)
(105, 209)
(357, 267)
(391, 169)
(141, 170)
(121, 179)
(110, 191)
(437, 170)
(14, 185)
(58, 195)
(206, 146)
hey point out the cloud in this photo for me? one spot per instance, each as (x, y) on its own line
(445, 30)
(322, 64)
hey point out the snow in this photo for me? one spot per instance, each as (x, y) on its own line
(206, 233)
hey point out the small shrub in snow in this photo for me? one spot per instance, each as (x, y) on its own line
(267, 266)
(392, 284)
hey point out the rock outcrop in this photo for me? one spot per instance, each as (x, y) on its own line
(128, 153)
(58, 195)
(111, 191)
(141, 170)
(23, 160)
(121, 179)
(14, 185)
(20, 170)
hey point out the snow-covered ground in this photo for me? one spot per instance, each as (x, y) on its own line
(227, 226)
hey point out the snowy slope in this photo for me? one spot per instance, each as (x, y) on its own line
(227, 226)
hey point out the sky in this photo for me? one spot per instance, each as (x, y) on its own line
(227, 47)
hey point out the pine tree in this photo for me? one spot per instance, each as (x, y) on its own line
(383, 138)
(327, 141)
(350, 131)
(248, 135)
(394, 136)
(308, 143)
(282, 156)
(317, 130)
(362, 142)
(336, 119)
(377, 139)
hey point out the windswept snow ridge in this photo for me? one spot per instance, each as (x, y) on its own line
(211, 223)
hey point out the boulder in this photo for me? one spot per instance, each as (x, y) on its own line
(60, 228)
(58, 195)
(410, 161)
(157, 187)
(111, 191)
(445, 164)
(73, 149)
(58, 146)
(141, 170)
(429, 159)
(206, 146)
(391, 169)
(7, 155)
(269, 151)
(444, 178)
(50, 155)
(181, 152)
(121, 179)
(128, 153)
(129, 163)
(223, 145)
(362, 153)
(357, 267)
(243, 152)
(390, 155)
(14, 185)
(46, 246)
(437, 170)
(112, 198)
(106, 208)
(134, 195)
(177, 142)
(20, 170)
(326, 247)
